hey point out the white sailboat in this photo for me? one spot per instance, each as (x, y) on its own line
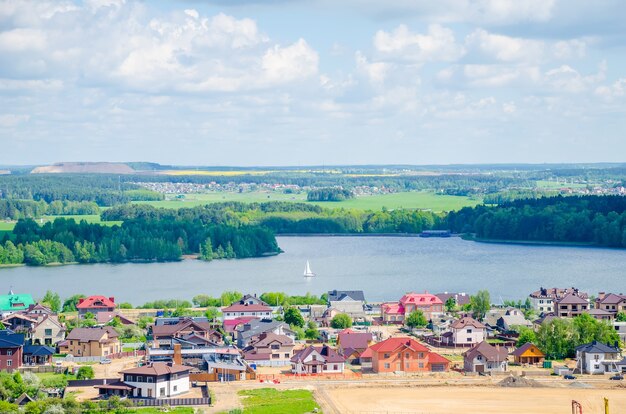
(307, 270)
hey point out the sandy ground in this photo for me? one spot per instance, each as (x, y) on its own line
(488, 400)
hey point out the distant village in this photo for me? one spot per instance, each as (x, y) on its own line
(443, 335)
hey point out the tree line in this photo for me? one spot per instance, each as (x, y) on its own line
(598, 220)
(17, 209)
(65, 241)
(329, 194)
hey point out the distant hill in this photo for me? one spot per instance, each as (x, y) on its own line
(85, 167)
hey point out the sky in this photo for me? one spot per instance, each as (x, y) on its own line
(312, 82)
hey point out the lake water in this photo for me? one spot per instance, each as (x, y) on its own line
(384, 267)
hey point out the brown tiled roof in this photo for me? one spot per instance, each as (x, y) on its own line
(165, 330)
(269, 337)
(490, 352)
(157, 368)
(466, 321)
(612, 299)
(355, 340)
(92, 334)
(572, 299)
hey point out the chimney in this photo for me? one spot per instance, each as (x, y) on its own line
(601, 295)
(178, 357)
(112, 299)
(81, 300)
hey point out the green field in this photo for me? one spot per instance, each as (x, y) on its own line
(271, 401)
(558, 184)
(412, 200)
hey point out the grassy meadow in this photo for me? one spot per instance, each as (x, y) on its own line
(7, 226)
(272, 401)
(425, 200)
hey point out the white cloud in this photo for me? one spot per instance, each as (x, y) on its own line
(506, 48)
(375, 72)
(617, 89)
(22, 39)
(568, 49)
(499, 75)
(438, 44)
(509, 107)
(298, 61)
(11, 120)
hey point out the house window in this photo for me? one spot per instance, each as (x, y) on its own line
(407, 355)
(148, 379)
(48, 332)
(421, 365)
(335, 367)
(129, 378)
(386, 356)
(387, 366)
(275, 356)
(314, 357)
(175, 388)
(399, 355)
(275, 346)
(407, 365)
(420, 355)
(286, 355)
(469, 331)
(469, 339)
(162, 392)
(139, 378)
(10, 352)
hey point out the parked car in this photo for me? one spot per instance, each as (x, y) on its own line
(617, 377)
(569, 377)
(105, 361)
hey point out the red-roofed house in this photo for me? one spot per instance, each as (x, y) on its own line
(95, 304)
(429, 304)
(405, 354)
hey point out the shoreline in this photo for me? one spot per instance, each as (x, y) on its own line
(361, 235)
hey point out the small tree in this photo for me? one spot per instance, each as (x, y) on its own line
(212, 314)
(620, 317)
(85, 372)
(341, 321)
(206, 250)
(52, 300)
(311, 331)
(526, 334)
(480, 304)
(450, 305)
(293, 317)
(416, 319)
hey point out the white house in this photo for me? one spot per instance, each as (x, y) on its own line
(486, 358)
(597, 358)
(248, 306)
(317, 360)
(465, 332)
(158, 380)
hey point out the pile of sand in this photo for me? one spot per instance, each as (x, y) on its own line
(519, 382)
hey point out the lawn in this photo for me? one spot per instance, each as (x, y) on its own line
(558, 184)
(157, 410)
(271, 401)
(7, 226)
(412, 200)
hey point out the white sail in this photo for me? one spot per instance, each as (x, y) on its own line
(307, 270)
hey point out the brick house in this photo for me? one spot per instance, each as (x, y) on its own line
(100, 342)
(407, 355)
(185, 329)
(317, 360)
(11, 350)
(571, 305)
(429, 304)
(270, 349)
(485, 357)
(611, 302)
(248, 306)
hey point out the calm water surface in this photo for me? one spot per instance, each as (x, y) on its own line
(384, 267)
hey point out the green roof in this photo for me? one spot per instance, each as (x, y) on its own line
(15, 302)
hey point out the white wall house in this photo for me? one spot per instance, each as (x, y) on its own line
(597, 358)
(158, 380)
(465, 332)
(317, 360)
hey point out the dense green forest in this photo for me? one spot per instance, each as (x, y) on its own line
(287, 217)
(103, 189)
(329, 194)
(17, 209)
(166, 239)
(599, 220)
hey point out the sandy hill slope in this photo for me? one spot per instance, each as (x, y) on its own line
(85, 167)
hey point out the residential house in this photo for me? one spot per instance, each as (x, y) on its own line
(407, 355)
(11, 350)
(38, 354)
(351, 302)
(597, 358)
(429, 304)
(270, 349)
(601, 314)
(466, 331)
(248, 306)
(544, 299)
(95, 304)
(352, 344)
(104, 317)
(620, 327)
(231, 326)
(484, 357)
(339, 295)
(528, 354)
(317, 360)
(366, 359)
(461, 299)
(251, 331)
(155, 380)
(14, 303)
(38, 327)
(186, 329)
(511, 319)
(98, 342)
(571, 305)
(611, 302)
